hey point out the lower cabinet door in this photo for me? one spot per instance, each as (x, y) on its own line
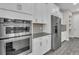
(41, 45)
(36, 49)
(48, 42)
(45, 45)
(43, 51)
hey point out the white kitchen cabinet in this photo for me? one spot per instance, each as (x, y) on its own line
(40, 13)
(41, 45)
(37, 12)
(48, 43)
(46, 46)
(11, 11)
(27, 7)
(45, 14)
(36, 46)
(8, 6)
(14, 15)
(21, 7)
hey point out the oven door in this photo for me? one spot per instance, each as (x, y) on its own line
(12, 30)
(18, 46)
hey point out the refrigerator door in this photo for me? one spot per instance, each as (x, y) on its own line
(55, 32)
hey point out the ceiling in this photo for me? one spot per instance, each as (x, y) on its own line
(69, 6)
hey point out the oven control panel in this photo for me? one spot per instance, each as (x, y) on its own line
(7, 20)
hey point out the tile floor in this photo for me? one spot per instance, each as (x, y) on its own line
(70, 47)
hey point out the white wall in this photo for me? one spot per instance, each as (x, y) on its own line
(75, 25)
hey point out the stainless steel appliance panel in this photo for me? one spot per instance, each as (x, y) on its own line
(55, 32)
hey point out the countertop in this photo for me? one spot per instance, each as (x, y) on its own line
(36, 35)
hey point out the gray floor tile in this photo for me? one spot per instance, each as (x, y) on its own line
(68, 48)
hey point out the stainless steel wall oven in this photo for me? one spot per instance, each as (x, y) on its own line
(15, 36)
(14, 27)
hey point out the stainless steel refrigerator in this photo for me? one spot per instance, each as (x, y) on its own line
(55, 32)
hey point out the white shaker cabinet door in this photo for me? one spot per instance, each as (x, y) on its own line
(36, 49)
(44, 47)
(48, 42)
(41, 45)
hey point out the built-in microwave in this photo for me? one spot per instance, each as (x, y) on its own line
(13, 27)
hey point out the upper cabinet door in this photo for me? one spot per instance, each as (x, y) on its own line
(22, 7)
(45, 13)
(37, 13)
(17, 11)
(10, 6)
(27, 7)
(40, 13)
